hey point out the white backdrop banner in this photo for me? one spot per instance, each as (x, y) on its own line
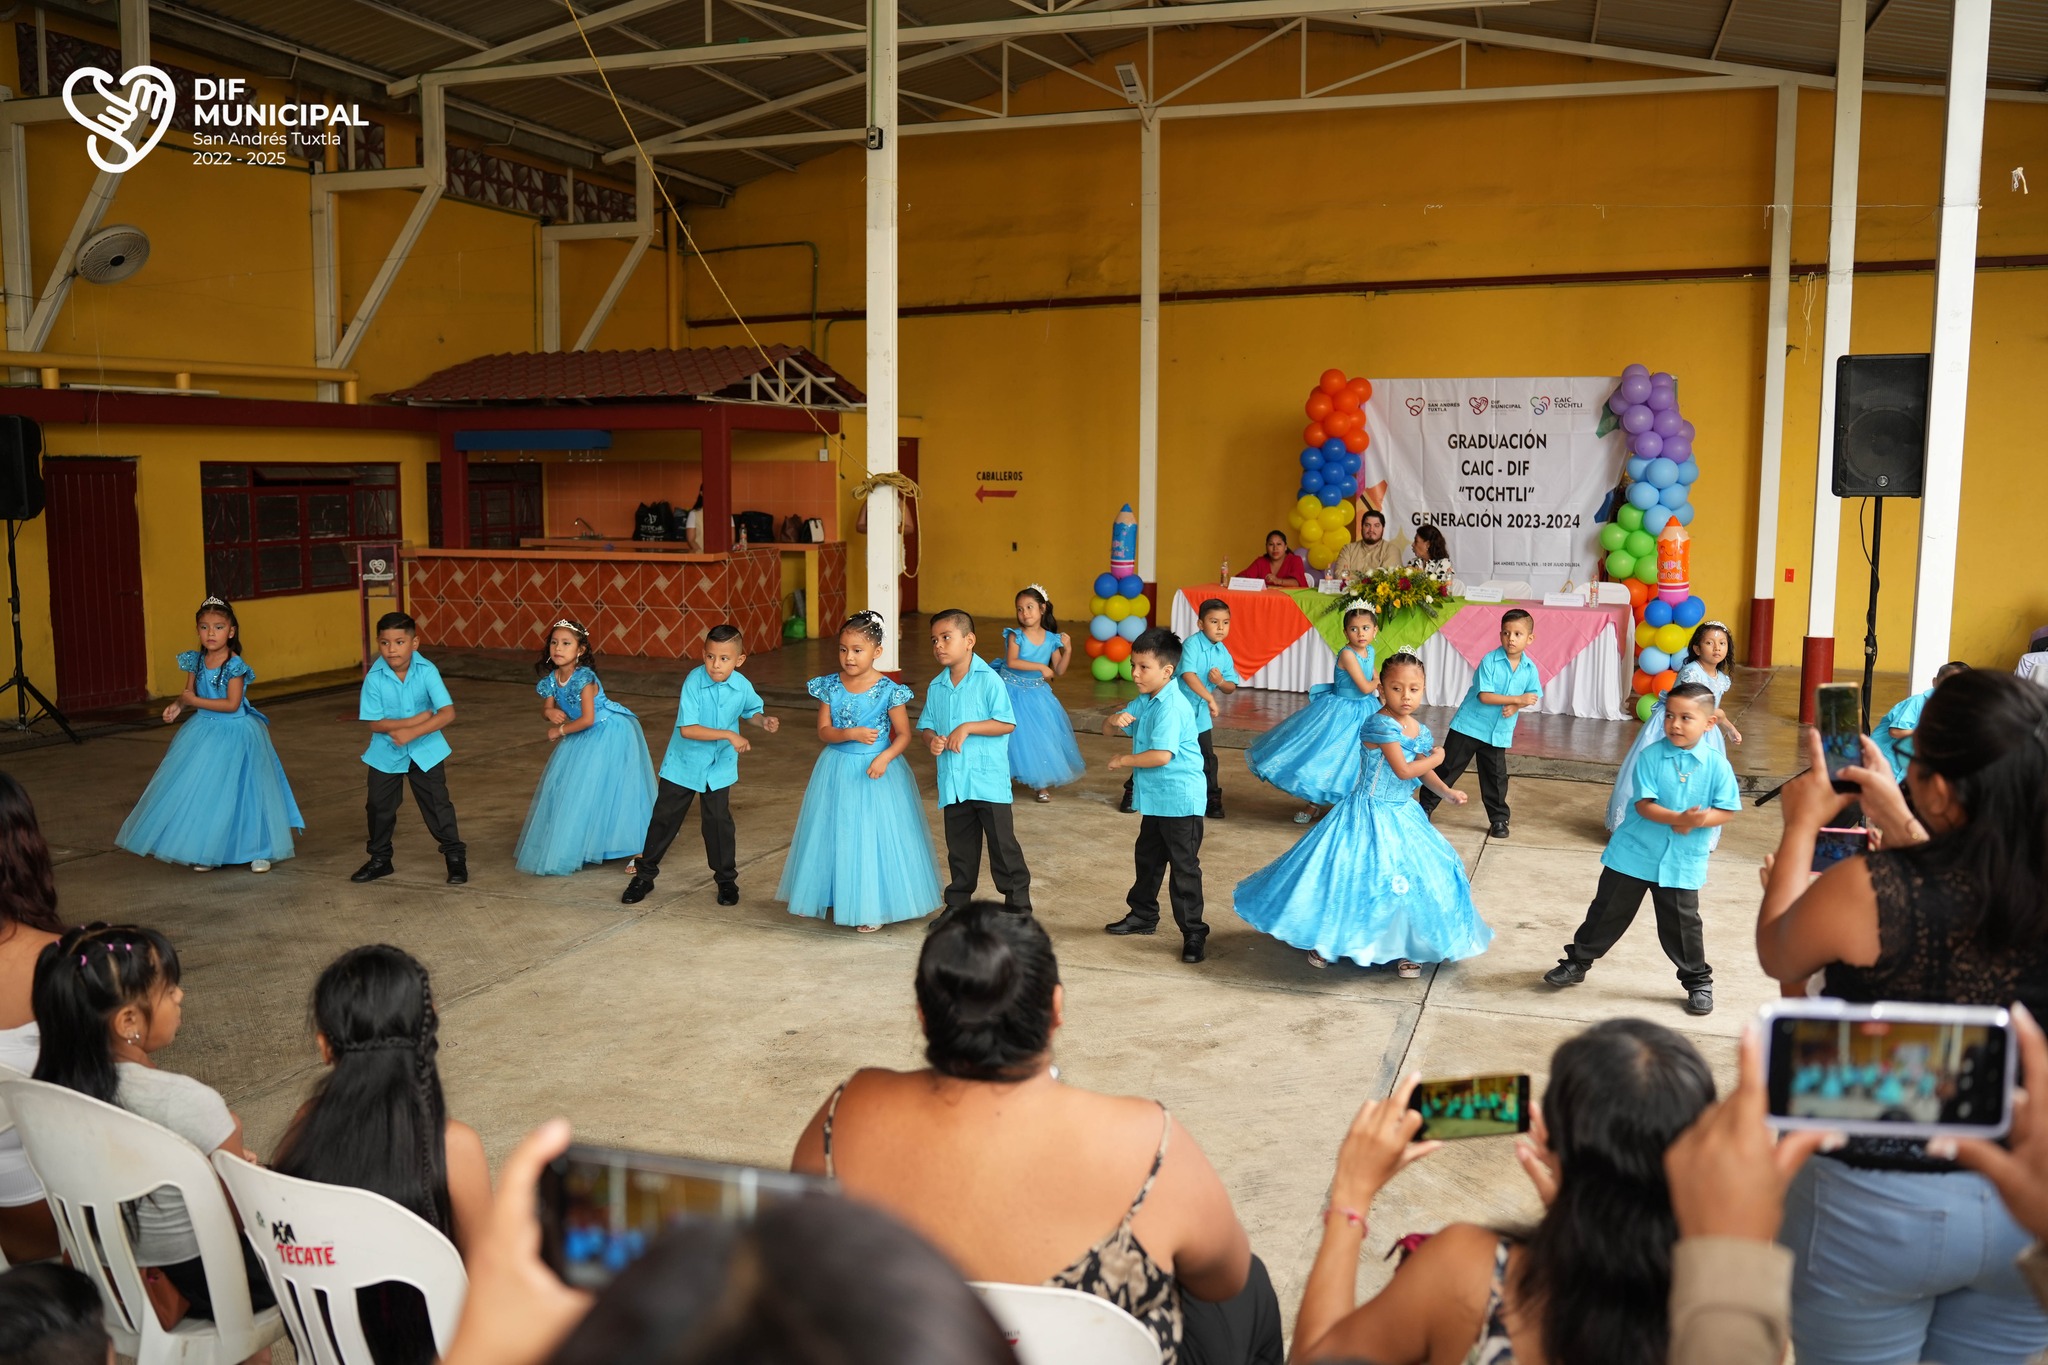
(1508, 469)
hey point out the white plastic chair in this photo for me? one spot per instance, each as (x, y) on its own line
(7, 1073)
(1048, 1326)
(320, 1243)
(94, 1157)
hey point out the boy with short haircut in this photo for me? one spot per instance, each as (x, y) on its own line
(50, 1314)
(1681, 788)
(1207, 674)
(967, 720)
(407, 706)
(702, 761)
(1505, 685)
(1166, 764)
(1898, 724)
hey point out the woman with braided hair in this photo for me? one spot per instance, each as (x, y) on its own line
(377, 1122)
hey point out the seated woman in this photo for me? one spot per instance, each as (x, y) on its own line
(28, 924)
(1590, 1282)
(377, 1122)
(1432, 555)
(1280, 566)
(1024, 1180)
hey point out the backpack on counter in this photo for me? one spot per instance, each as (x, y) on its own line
(759, 527)
(651, 521)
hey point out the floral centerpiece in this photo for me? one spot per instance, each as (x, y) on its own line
(1391, 590)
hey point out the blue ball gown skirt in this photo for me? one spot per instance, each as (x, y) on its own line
(1624, 794)
(219, 797)
(1042, 749)
(594, 797)
(1313, 754)
(862, 852)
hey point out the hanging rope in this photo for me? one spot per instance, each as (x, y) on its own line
(906, 488)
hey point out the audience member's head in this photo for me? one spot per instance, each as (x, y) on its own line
(988, 993)
(95, 984)
(28, 888)
(815, 1281)
(1598, 1267)
(377, 1121)
(51, 1315)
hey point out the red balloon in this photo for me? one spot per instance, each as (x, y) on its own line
(1333, 382)
(1116, 649)
(1643, 683)
(1667, 680)
(1318, 406)
(1362, 387)
(1355, 440)
(1339, 422)
(1093, 646)
(1314, 435)
(1349, 400)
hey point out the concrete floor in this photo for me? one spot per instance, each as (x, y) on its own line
(683, 1026)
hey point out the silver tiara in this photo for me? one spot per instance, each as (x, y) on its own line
(1043, 595)
(1359, 603)
(211, 602)
(566, 624)
(1718, 625)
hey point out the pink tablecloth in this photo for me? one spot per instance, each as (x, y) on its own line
(1562, 633)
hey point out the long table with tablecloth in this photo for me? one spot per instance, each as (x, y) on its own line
(1288, 641)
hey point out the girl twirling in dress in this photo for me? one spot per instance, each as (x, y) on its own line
(1043, 753)
(1313, 754)
(597, 791)
(220, 795)
(862, 852)
(1705, 662)
(1374, 881)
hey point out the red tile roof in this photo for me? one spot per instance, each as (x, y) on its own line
(653, 375)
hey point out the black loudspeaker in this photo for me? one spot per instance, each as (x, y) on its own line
(1880, 425)
(21, 469)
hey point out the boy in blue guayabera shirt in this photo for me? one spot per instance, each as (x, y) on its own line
(407, 706)
(1505, 685)
(702, 764)
(1902, 720)
(1207, 675)
(1166, 759)
(1681, 789)
(967, 720)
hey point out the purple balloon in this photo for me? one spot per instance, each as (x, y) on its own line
(1668, 422)
(1637, 420)
(1649, 445)
(1661, 400)
(1685, 429)
(1678, 450)
(1662, 378)
(1635, 388)
(1618, 404)
(1643, 370)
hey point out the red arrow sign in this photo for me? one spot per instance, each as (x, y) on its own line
(984, 493)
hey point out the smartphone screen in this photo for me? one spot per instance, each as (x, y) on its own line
(601, 1207)
(1838, 716)
(1473, 1106)
(1897, 1077)
(1832, 845)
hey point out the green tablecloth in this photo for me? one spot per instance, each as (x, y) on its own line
(1404, 629)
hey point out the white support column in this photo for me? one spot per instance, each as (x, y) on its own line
(1817, 658)
(134, 34)
(1955, 283)
(1148, 355)
(1763, 596)
(885, 512)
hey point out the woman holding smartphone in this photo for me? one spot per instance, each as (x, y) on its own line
(1902, 1257)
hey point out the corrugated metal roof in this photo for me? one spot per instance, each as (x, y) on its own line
(653, 375)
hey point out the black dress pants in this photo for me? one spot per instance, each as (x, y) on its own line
(1459, 751)
(1175, 842)
(429, 793)
(671, 808)
(1679, 931)
(970, 823)
(1244, 1330)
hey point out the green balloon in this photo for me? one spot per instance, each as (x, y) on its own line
(1103, 667)
(1644, 706)
(1630, 516)
(1641, 543)
(1646, 570)
(1613, 536)
(1620, 564)
(1123, 670)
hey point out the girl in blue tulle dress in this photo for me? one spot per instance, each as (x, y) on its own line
(220, 796)
(1313, 754)
(1374, 881)
(1705, 662)
(862, 852)
(597, 792)
(1043, 753)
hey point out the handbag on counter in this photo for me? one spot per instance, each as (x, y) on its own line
(758, 527)
(651, 521)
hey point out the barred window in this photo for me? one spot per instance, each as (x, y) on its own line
(272, 530)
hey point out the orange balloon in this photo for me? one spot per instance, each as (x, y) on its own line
(1667, 680)
(1355, 440)
(1362, 387)
(1349, 400)
(1094, 647)
(1314, 435)
(1318, 406)
(1116, 649)
(1638, 594)
(1333, 382)
(1339, 422)
(1643, 683)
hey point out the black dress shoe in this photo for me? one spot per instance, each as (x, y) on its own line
(1125, 807)
(1130, 924)
(1699, 1001)
(458, 872)
(1564, 974)
(1499, 831)
(1191, 950)
(1216, 814)
(636, 890)
(728, 893)
(370, 871)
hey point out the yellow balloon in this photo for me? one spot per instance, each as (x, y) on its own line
(1336, 538)
(1350, 510)
(1320, 557)
(1308, 505)
(1294, 520)
(1333, 517)
(1672, 638)
(1141, 606)
(1098, 606)
(1119, 608)
(1646, 635)
(1311, 532)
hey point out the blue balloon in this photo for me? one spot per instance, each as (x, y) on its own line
(1348, 487)
(1352, 464)
(1654, 520)
(1674, 496)
(1130, 585)
(1312, 458)
(1653, 660)
(1662, 473)
(1131, 627)
(1101, 627)
(1330, 497)
(1636, 465)
(1105, 586)
(1684, 514)
(1688, 471)
(1690, 612)
(1311, 481)
(1642, 495)
(1656, 612)
(1334, 449)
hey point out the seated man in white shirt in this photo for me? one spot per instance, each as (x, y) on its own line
(1372, 551)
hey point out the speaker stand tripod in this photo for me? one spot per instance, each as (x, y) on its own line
(1870, 612)
(23, 689)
